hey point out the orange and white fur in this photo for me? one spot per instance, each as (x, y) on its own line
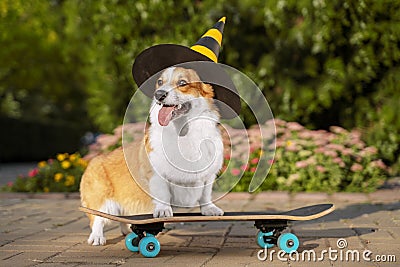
(176, 162)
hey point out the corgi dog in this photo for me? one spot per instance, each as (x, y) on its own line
(175, 164)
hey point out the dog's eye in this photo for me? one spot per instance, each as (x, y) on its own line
(159, 82)
(182, 83)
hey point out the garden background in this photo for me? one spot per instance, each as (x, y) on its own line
(66, 70)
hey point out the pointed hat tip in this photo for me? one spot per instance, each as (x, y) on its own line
(222, 19)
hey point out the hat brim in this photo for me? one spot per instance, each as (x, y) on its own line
(159, 57)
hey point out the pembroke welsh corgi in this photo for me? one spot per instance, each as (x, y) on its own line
(175, 164)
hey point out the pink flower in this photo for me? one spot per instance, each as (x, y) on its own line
(335, 147)
(227, 156)
(330, 153)
(279, 122)
(356, 167)
(305, 135)
(338, 130)
(301, 164)
(10, 184)
(305, 163)
(33, 173)
(271, 161)
(311, 160)
(253, 169)
(357, 143)
(294, 126)
(254, 161)
(280, 143)
(319, 150)
(291, 146)
(235, 171)
(339, 161)
(244, 167)
(347, 151)
(320, 169)
(321, 142)
(368, 151)
(379, 164)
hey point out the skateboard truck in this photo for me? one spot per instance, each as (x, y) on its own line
(152, 228)
(269, 232)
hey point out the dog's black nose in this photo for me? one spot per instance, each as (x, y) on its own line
(160, 95)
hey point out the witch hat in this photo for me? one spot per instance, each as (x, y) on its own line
(159, 57)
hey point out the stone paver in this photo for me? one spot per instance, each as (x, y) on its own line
(48, 230)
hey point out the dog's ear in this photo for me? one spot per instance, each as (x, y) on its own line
(206, 90)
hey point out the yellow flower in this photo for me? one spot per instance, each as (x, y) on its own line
(65, 164)
(69, 180)
(261, 152)
(289, 143)
(73, 157)
(82, 162)
(42, 164)
(62, 157)
(46, 189)
(58, 176)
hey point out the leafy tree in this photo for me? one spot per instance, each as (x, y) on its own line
(39, 78)
(318, 62)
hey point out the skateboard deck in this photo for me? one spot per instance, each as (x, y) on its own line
(300, 214)
(270, 224)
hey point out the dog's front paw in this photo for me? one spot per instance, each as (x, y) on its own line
(96, 240)
(211, 210)
(162, 210)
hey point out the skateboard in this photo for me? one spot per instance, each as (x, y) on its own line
(270, 224)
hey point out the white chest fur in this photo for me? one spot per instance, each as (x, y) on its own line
(185, 166)
(188, 160)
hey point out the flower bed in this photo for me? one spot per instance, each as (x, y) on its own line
(305, 160)
(62, 174)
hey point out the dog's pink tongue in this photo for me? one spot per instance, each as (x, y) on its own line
(164, 115)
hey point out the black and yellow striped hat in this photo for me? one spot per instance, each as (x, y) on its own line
(159, 57)
(210, 43)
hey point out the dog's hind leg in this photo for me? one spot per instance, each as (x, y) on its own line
(96, 237)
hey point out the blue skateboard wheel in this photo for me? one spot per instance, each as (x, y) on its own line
(131, 242)
(149, 246)
(263, 241)
(288, 242)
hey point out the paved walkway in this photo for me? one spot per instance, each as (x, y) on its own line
(52, 232)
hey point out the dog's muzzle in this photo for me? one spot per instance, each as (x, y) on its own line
(160, 95)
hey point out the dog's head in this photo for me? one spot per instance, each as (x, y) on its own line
(176, 92)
